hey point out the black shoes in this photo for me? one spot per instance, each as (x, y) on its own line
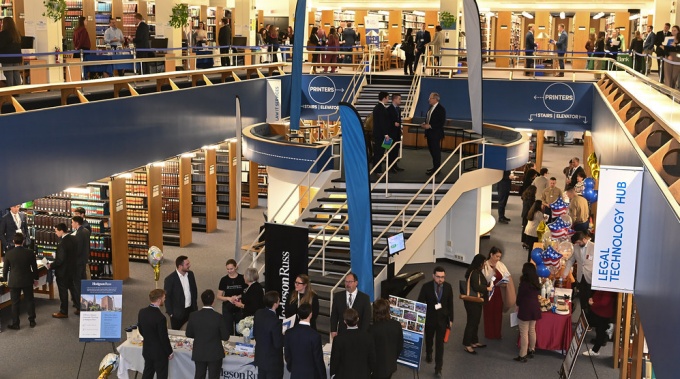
(396, 167)
(521, 359)
(428, 359)
(531, 353)
(13, 326)
(432, 170)
(504, 220)
(33, 324)
(438, 373)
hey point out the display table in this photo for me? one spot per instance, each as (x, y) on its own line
(553, 332)
(43, 286)
(107, 68)
(181, 366)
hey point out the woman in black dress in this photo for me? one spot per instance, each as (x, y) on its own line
(528, 198)
(303, 294)
(478, 284)
(388, 338)
(230, 290)
(253, 295)
(408, 45)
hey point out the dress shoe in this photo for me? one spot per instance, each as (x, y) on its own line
(521, 359)
(438, 374)
(428, 359)
(560, 75)
(506, 219)
(470, 350)
(32, 324)
(502, 221)
(12, 326)
(59, 315)
(393, 170)
(76, 312)
(531, 353)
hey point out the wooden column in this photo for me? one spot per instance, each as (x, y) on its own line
(539, 149)
(155, 200)
(360, 25)
(233, 180)
(185, 227)
(18, 15)
(581, 33)
(394, 27)
(327, 20)
(503, 30)
(210, 190)
(120, 264)
(90, 23)
(253, 185)
(588, 149)
(542, 23)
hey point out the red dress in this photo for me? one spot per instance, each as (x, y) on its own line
(493, 312)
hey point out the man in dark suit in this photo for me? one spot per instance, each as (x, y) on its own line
(381, 122)
(302, 346)
(82, 236)
(529, 46)
(64, 267)
(438, 295)
(394, 129)
(351, 297)
(267, 332)
(575, 169)
(12, 223)
(20, 264)
(422, 39)
(181, 293)
(152, 324)
(353, 351)
(80, 211)
(141, 41)
(503, 188)
(561, 48)
(658, 41)
(434, 131)
(224, 39)
(208, 330)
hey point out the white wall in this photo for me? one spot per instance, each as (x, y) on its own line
(273, 8)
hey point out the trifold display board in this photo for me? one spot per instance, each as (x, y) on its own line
(411, 316)
(101, 310)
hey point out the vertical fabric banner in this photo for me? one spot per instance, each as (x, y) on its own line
(357, 182)
(101, 310)
(617, 226)
(372, 30)
(285, 258)
(473, 41)
(273, 100)
(411, 316)
(299, 41)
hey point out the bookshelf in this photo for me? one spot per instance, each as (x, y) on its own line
(176, 199)
(222, 182)
(137, 203)
(102, 15)
(262, 181)
(250, 184)
(129, 10)
(6, 8)
(631, 355)
(485, 23)
(384, 22)
(211, 23)
(414, 20)
(118, 222)
(195, 15)
(314, 18)
(151, 17)
(74, 9)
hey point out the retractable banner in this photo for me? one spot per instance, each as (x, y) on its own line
(101, 310)
(411, 316)
(618, 221)
(285, 258)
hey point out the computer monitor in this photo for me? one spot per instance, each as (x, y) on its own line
(396, 243)
(239, 41)
(27, 42)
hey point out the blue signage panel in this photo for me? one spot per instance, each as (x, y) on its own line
(101, 310)
(411, 316)
(321, 94)
(519, 104)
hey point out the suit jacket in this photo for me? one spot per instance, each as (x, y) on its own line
(153, 327)
(252, 299)
(381, 121)
(573, 175)
(362, 304)
(208, 330)
(529, 43)
(658, 41)
(437, 121)
(352, 355)
(422, 39)
(561, 44)
(269, 340)
(64, 264)
(388, 338)
(83, 245)
(224, 37)
(304, 355)
(141, 40)
(8, 229)
(394, 115)
(291, 309)
(174, 294)
(20, 262)
(429, 297)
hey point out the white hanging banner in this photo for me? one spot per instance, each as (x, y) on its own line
(617, 227)
(273, 100)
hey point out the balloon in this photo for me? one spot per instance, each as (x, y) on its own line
(155, 256)
(542, 271)
(536, 256)
(567, 219)
(589, 183)
(108, 365)
(588, 194)
(594, 199)
(566, 248)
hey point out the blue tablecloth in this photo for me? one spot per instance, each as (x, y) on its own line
(107, 68)
(204, 62)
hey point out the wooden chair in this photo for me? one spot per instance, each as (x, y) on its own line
(395, 61)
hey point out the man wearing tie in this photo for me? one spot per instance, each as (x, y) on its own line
(561, 47)
(658, 41)
(381, 126)
(438, 295)
(530, 46)
(64, 267)
(394, 128)
(434, 131)
(350, 298)
(422, 39)
(12, 223)
(302, 348)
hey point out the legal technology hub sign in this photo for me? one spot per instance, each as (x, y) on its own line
(618, 221)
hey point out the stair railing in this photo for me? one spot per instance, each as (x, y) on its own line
(352, 93)
(412, 99)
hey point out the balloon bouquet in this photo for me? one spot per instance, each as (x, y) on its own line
(155, 257)
(108, 365)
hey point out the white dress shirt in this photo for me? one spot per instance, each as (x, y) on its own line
(584, 256)
(184, 279)
(354, 298)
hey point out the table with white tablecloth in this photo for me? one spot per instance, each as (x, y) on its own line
(181, 366)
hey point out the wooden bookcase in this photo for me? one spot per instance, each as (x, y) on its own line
(185, 232)
(211, 190)
(14, 9)
(204, 191)
(222, 180)
(630, 354)
(176, 189)
(144, 214)
(119, 233)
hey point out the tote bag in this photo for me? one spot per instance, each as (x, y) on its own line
(467, 295)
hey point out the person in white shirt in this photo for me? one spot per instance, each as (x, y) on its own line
(181, 293)
(113, 36)
(584, 252)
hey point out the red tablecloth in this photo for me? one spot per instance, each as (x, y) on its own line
(553, 332)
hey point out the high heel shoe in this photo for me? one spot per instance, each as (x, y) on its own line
(471, 351)
(531, 353)
(521, 359)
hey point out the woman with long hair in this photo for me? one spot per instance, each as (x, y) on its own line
(201, 37)
(10, 43)
(230, 290)
(312, 45)
(636, 47)
(590, 48)
(303, 294)
(534, 218)
(273, 41)
(494, 271)
(388, 339)
(478, 284)
(671, 72)
(599, 53)
(528, 199)
(408, 45)
(528, 311)
(290, 34)
(81, 39)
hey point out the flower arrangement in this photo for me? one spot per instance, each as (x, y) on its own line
(245, 326)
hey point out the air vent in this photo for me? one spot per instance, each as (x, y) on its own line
(671, 163)
(642, 124)
(657, 139)
(632, 112)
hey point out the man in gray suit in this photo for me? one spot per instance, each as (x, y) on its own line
(22, 268)
(561, 47)
(208, 331)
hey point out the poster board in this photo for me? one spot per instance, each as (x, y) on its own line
(411, 316)
(574, 347)
(101, 310)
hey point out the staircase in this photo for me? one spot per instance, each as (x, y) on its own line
(337, 259)
(374, 84)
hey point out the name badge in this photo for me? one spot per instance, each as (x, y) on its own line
(438, 306)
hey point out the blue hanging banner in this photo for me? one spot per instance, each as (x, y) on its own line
(296, 69)
(357, 182)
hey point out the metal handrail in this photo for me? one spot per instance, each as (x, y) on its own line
(409, 107)
(353, 91)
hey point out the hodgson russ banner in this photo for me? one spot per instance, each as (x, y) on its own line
(617, 226)
(285, 258)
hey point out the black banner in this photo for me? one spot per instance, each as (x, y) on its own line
(285, 258)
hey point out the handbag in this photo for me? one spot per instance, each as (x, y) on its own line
(466, 294)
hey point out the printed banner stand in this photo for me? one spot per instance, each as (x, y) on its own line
(411, 316)
(574, 347)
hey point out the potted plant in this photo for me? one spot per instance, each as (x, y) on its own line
(447, 20)
(180, 16)
(55, 10)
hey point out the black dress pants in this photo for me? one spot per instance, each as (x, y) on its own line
(213, 369)
(503, 195)
(15, 296)
(601, 324)
(65, 284)
(176, 323)
(158, 367)
(269, 374)
(474, 314)
(378, 151)
(434, 145)
(435, 330)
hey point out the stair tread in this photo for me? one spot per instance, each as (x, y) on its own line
(440, 191)
(394, 212)
(339, 221)
(376, 200)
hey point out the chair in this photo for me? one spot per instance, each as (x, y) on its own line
(395, 61)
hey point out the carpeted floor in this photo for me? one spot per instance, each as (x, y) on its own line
(52, 348)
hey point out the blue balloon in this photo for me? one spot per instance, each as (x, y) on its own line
(543, 271)
(594, 199)
(588, 194)
(536, 256)
(589, 183)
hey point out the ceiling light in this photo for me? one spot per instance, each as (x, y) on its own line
(562, 15)
(527, 15)
(599, 15)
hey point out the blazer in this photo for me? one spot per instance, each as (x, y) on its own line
(9, 47)
(529, 43)
(437, 43)
(269, 340)
(561, 44)
(8, 228)
(422, 39)
(224, 37)
(437, 121)
(20, 262)
(352, 355)
(304, 354)
(362, 304)
(174, 294)
(83, 245)
(64, 264)
(381, 122)
(573, 175)
(291, 309)
(141, 40)
(252, 299)
(349, 36)
(208, 330)
(153, 327)
(388, 338)
(428, 296)
(658, 41)
(394, 115)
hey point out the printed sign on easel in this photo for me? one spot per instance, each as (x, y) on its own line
(574, 347)
(101, 310)
(411, 316)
